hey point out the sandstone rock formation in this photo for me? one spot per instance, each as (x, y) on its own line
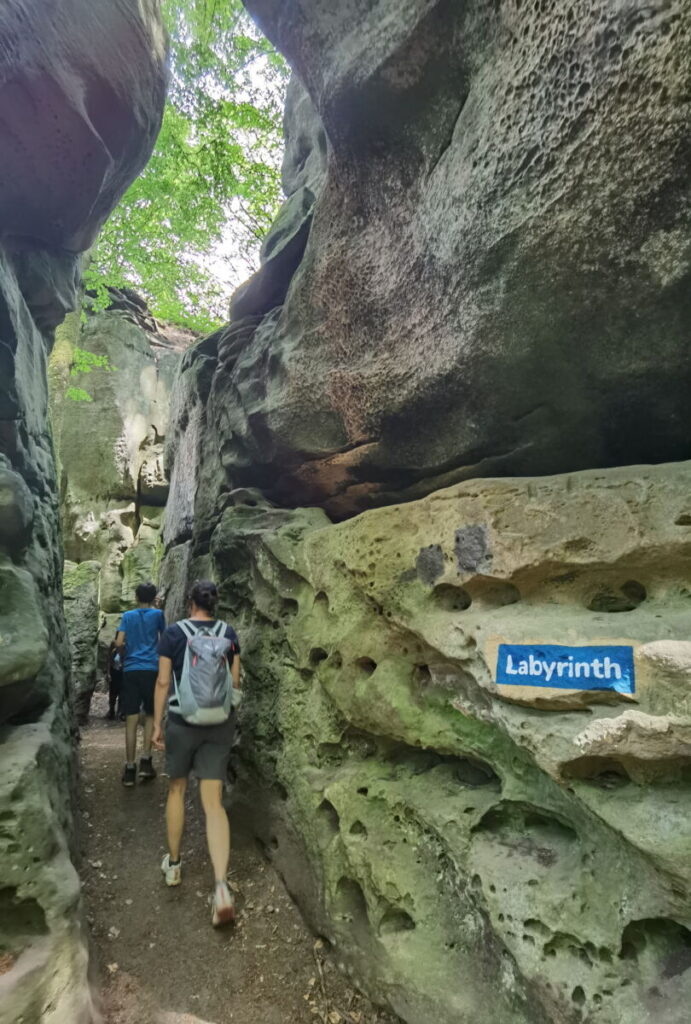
(497, 270)
(80, 586)
(113, 486)
(81, 93)
(481, 271)
(82, 86)
(418, 815)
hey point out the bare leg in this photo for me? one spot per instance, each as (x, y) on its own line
(175, 816)
(217, 826)
(131, 723)
(148, 733)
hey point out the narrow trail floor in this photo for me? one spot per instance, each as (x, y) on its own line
(157, 958)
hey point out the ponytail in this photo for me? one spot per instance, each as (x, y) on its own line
(204, 594)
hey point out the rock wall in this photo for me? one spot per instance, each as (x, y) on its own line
(77, 121)
(113, 487)
(480, 274)
(80, 590)
(496, 277)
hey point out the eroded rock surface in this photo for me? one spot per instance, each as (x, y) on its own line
(80, 590)
(481, 271)
(496, 277)
(44, 956)
(113, 485)
(81, 98)
(469, 855)
(82, 86)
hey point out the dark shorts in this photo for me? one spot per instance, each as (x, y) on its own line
(204, 749)
(138, 692)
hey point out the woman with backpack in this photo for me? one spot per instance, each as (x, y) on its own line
(198, 680)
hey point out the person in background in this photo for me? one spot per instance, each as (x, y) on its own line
(114, 675)
(205, 651)
(138, 636)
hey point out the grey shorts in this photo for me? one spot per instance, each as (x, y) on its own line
(203, 749)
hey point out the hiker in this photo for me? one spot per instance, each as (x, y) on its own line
(114, 676)
(138, 635)
(199, 681)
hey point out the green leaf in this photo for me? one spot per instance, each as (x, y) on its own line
(78, 395)
(212, 186)
(84, 361)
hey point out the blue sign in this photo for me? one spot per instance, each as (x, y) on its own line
(567, 668)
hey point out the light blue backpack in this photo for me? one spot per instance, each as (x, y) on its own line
(205, 689)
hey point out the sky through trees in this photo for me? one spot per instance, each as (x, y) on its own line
(188, 230)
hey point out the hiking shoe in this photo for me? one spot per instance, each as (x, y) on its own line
(223, 906)
(173, 872)
(129, 775)
(146, 769)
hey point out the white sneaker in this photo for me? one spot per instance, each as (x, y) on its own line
(223, 906)
(173, 872)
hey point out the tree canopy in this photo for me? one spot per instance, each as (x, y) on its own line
(212, 187)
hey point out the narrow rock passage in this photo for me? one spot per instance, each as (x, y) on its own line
(157, 957)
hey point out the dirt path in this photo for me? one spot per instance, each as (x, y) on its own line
(158, 959)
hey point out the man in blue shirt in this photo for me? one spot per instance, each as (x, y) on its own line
(138, 635)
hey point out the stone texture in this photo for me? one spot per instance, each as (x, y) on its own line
(110, 449)
(80, 591)
(40, 929)
(303, 171)
(39, 887)
(23, 641)
(644, 747)
(496, 277)
(480, 272)
(81, 99)
(470, 857)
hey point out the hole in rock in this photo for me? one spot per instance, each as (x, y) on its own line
(395, 921)
(336, 660)
(683, 520)
(331, 752)
(422, 675)
(20, 919)
(449, 598)
(529, 831)
(328, 815)
(360, 743)
(578, 996)
(493, 593)
(666, 944)
(366, 665)
(322, 601)
(317, 655)
(289, 607)
(603, 771)
(624, 599)
(564, 943)
(445, 675)
(363, 791)
(473, 772)
(358, 829)
(351, 903)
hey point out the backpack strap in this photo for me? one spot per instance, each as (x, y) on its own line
(188, 628)
(219, 629)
